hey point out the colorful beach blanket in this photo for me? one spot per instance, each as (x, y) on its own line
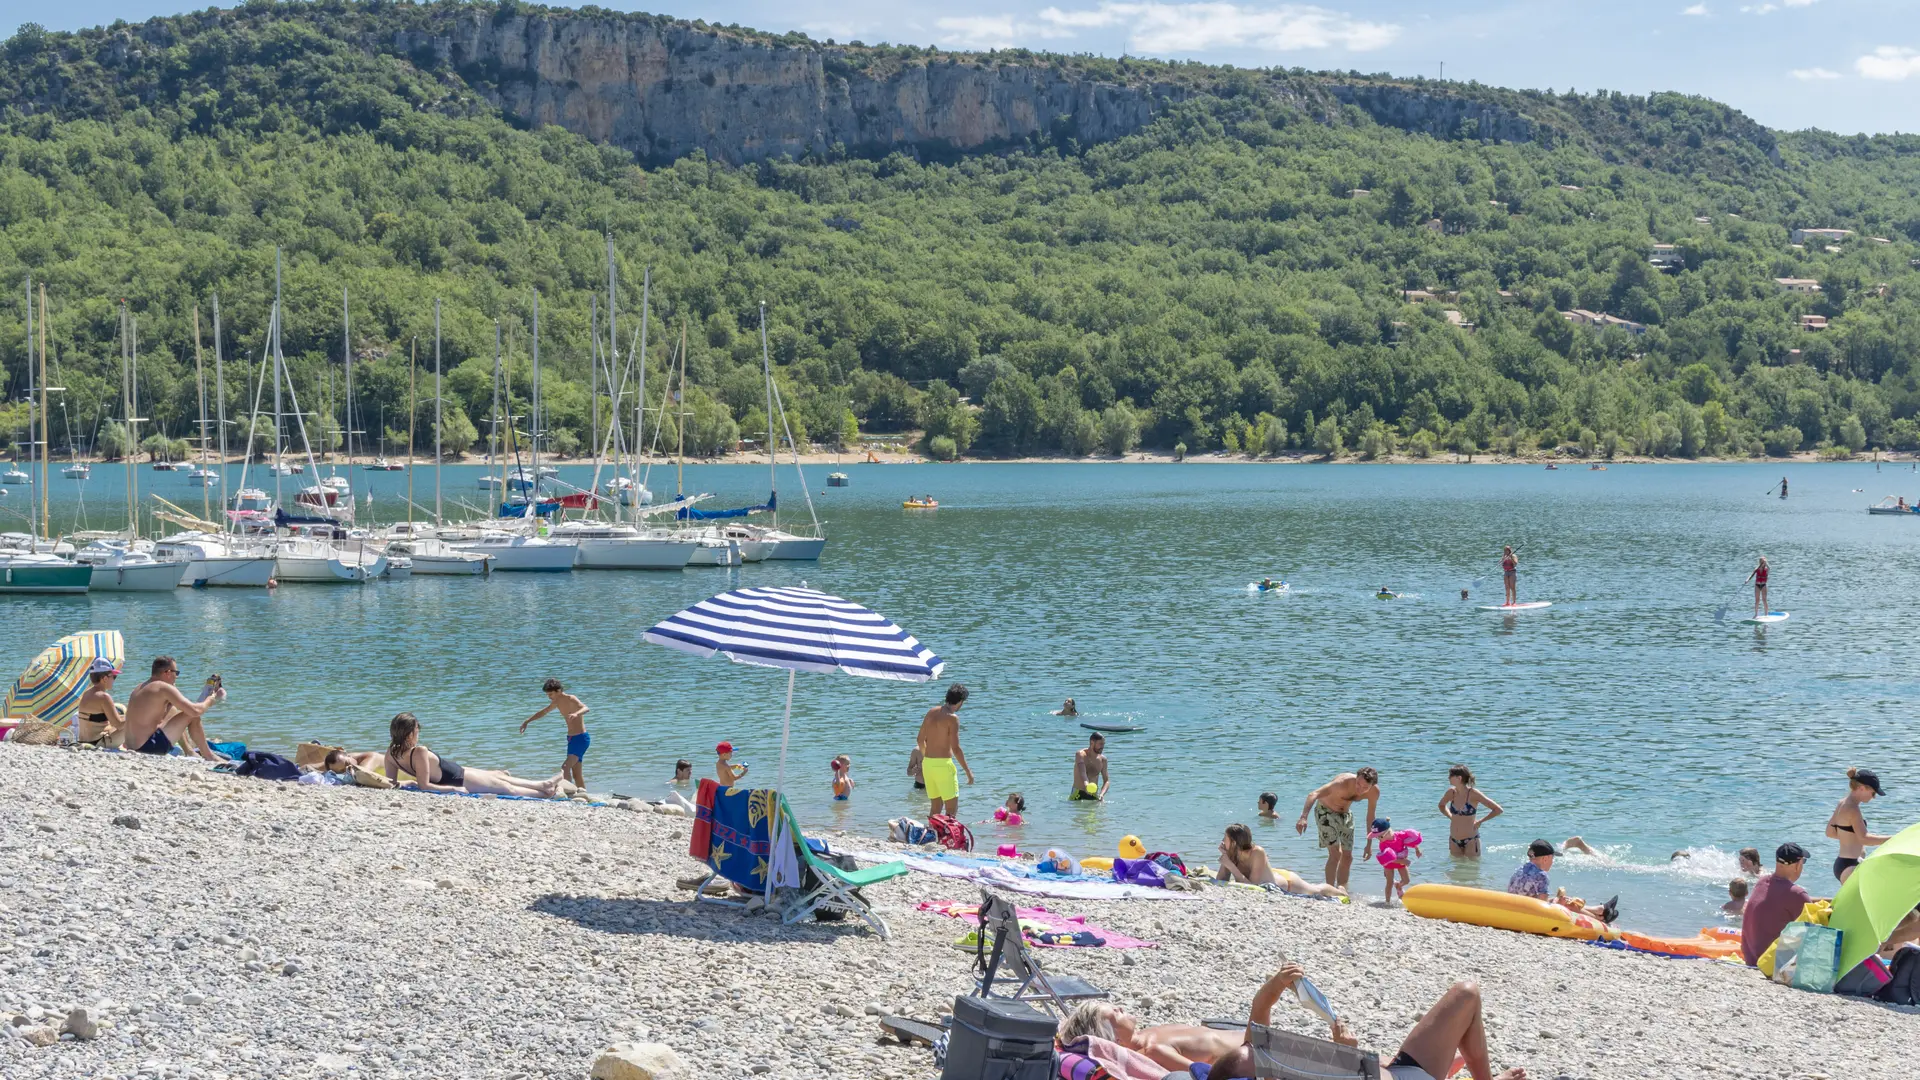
(1038, 923)
(1001, 876)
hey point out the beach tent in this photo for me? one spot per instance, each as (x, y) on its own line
(799, 629)
(51, 686)
(1876, 896)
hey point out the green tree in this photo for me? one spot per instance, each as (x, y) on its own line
(1119, 429)
(1852, 434)
(1326, 439)
(457, 433)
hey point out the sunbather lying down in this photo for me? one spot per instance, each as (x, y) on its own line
(1453, 1025)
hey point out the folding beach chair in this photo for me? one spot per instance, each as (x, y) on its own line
(733, 835)
(834, 889)
(1279, 1054)
(1000, 944)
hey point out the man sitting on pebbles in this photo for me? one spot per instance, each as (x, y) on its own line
(159, 715)
(1454, 1025)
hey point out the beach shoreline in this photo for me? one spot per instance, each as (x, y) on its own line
(250, 928)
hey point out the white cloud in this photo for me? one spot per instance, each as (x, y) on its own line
(1799, 3)
(1157, 27)
(978, 31)
(1813, 74)
(1890, 63)
(1697, 9)
(1760, 9)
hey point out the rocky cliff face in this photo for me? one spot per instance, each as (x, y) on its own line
(1442, 116)
(664, 89)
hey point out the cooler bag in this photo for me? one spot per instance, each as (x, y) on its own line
(999, 1039)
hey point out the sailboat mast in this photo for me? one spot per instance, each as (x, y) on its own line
(533, 435)
(220, 401)
(496, 414)
(680, 466)
(437, 419)
(766, 365)
(133, 417)
(413, 410)
(593, 381)
(33, 506)
(640, 403)
(200, 380)
(346, 361)
(46, 447)
(279, 421)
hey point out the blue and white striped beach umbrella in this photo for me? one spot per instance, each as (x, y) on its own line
(800, 630)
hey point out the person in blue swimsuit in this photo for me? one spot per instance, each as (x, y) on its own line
(1461, 804)
(574, 712)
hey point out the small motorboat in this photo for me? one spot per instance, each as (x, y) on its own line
(383, 465)
(163, 466)
(1893, 504)
(79, 470)
(1552, 467)
(838, 479)
(15, 476)
(928, 503)
(1596, 468)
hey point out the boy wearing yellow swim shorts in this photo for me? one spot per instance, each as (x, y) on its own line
(939, 746)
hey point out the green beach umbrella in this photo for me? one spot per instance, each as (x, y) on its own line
(1877, 895)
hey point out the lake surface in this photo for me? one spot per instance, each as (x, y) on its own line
(1625, 713)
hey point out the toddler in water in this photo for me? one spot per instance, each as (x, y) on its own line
(1010, 813)
(1393, 853)
(842, 778)
(1268, 802)
(1737, 905)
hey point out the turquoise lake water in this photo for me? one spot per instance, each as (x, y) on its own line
(1624, 713)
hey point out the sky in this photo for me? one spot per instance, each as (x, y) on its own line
(1841, 65)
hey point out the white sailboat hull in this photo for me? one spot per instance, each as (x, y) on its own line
(546, 557)
(311, 561)
(138, 577)
(799, 548)
(634, 553)
(460, 564)
(714, 554)
(238, 571)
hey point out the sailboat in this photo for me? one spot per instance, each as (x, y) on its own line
(208, 553)
(423, 551)
(33, 567)
(310, 546)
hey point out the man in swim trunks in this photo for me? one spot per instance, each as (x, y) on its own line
(1331, 805)
(573, 711)
(1089, 763)
(939, 746)
(1759, 579)
(158, 714)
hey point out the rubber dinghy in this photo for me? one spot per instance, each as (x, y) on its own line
(1503, 911)
(1531, 605)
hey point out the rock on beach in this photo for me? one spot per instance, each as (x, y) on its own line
(310, 924)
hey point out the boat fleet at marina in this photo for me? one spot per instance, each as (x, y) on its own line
(535, 522)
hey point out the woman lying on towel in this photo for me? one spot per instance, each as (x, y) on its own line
(1137, 1052)
(431, 772)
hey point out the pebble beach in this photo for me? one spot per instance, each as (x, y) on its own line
(162, 920)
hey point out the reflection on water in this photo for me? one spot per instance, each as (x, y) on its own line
(1624, 713)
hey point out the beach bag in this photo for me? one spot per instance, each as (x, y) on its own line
(264, 766)
(905, 830)
(369, 779)
(1817, 967)
(998, 1039)
(312, 753)
(1866, 980)
(952, 833)
(1903, 978)
(1169, 861)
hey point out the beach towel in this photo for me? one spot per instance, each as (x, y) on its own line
(264, 766)
(1144, 872)
(699, 846)
(998, 877)
(1038, 923)
(740, 824)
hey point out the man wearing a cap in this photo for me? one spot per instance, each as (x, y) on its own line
(1531, 880)
(158, 714)
(1775, 901)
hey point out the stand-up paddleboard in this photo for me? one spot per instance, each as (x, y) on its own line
(1112, 728)
(1531, 605)
(1769, 617)
(1278, 586)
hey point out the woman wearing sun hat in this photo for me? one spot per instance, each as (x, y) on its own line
(97, 719)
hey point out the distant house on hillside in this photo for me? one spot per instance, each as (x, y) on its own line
(1800, 235)
(1665, 256)
(1802, 285)
(1359, 192)
(1813, 322)
(1415, 296)
(1436, 225)
(1571, 187)
(1599, 321)
(1458, 319)
(1879, 239)
(1508, 296)
(1702, 219)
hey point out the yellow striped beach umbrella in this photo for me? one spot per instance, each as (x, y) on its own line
(51, 686)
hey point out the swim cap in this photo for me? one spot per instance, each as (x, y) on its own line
(724, 748)
(1132, 848)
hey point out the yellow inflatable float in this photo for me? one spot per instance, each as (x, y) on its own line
(1504, 911)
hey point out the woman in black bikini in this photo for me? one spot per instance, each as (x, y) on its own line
(431, 772)
(98, 717)
(1849, 826)
(1462, 804)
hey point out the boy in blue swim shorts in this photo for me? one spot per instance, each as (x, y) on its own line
(574, 712)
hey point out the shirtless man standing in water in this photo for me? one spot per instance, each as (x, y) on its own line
(1331, 805)
(158, 714)
(939, 746)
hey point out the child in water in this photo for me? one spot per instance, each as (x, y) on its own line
(1736, 905)
(1268, 806)
(842, 778)
(1393, 853)
(1009, 814)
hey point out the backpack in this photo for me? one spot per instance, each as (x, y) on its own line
(1903, 988)
(905, 830)
(953, 835)
(264, 766)
(1168, 861)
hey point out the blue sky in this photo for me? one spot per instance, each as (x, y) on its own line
(1842, 65)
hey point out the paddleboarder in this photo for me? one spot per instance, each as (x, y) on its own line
(1759, 579)
(1783, 487)
(1510, 570)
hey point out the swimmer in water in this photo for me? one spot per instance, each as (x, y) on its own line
(1067, 709)
(1269, 806)
(842, 778)
(1461, 804)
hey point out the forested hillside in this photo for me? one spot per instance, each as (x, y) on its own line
(1233, 274)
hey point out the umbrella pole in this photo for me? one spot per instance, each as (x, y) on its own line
(786, 725)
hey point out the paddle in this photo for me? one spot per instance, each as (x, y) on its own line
(1720, 614)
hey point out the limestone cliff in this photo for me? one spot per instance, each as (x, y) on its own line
(664, 89)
